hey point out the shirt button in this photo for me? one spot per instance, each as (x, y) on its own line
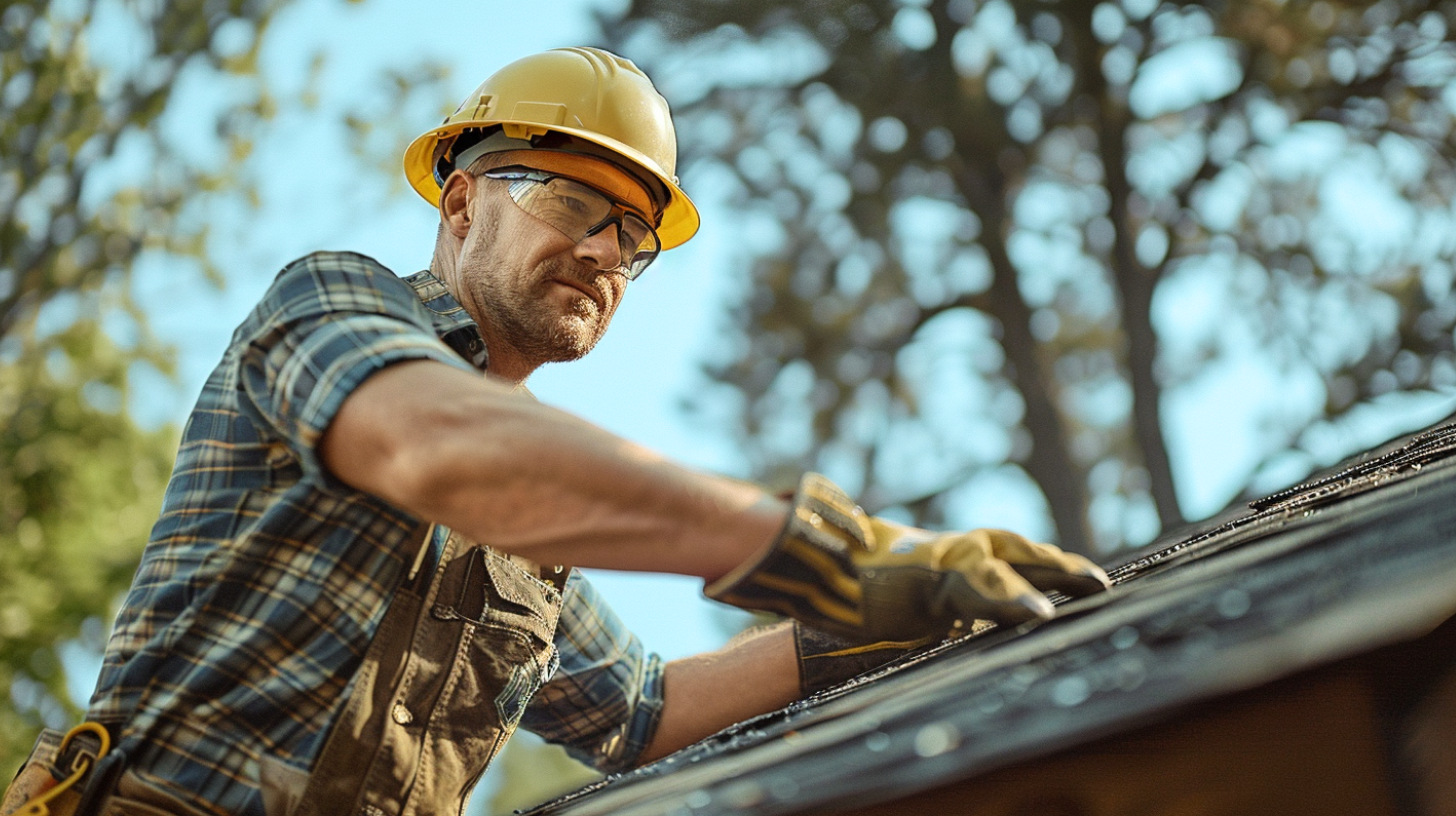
(401, 715)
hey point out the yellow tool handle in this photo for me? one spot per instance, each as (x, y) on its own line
(38, 805)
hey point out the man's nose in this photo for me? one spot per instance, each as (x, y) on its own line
(602, 249)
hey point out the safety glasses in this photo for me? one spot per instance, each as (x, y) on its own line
(579, 212)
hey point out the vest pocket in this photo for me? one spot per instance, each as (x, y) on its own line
(507, 619)
(490, 590)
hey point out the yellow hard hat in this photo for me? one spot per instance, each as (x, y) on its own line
(582, 94)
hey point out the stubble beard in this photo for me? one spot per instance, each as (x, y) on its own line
(533, 323)
(520, 308)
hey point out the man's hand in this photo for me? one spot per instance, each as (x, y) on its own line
(838, 569)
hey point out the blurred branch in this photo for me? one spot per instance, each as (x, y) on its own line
(88, 183)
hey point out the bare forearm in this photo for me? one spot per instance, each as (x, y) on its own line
(529, 479)
(704, 694)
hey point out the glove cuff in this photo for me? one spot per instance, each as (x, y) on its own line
(827, 660)
(808, 573)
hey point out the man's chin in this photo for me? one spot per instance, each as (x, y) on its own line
(574, 337)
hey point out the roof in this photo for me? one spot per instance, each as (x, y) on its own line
(1359, 557)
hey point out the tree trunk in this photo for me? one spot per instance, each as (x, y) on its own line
(1135, 285)
(1132, 282)
(1062, 483)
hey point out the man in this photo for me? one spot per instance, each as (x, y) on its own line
(341, 609)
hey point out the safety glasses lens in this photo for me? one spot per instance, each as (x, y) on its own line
(639, 244)
(579, 211)
(567, 208)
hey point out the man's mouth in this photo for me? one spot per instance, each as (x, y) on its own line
(590, 292)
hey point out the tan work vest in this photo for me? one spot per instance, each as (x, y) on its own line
(443, 685)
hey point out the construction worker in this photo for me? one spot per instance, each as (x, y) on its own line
(342, 607)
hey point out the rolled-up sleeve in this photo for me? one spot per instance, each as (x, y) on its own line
(320, 331)
(604, 702)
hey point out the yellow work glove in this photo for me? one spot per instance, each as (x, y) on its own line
(838, 569)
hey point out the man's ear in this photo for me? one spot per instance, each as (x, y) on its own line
(456, 197)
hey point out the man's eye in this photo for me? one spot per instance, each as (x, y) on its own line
(575, 205)
(633, 234)
(634, 230)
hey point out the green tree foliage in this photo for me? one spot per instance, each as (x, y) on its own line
(91, 186)
(992, 240)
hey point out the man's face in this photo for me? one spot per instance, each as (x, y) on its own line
(547, 298)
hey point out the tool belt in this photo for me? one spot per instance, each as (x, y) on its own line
(53, 776)
(81, 774)
(458, 655)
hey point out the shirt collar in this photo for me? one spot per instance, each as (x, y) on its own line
(451, 322)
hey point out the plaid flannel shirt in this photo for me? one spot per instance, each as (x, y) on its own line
(265, 577)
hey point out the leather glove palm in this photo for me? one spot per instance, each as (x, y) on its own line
(838, 569)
